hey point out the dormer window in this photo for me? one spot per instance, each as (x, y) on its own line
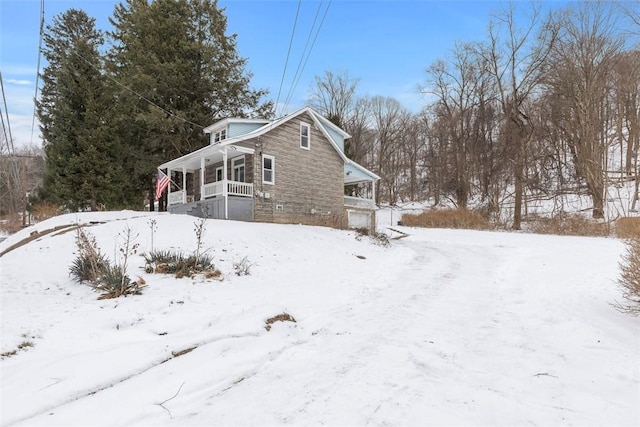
(305, 136)
(219, 136)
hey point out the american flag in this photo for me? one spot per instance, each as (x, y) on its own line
(161, 184)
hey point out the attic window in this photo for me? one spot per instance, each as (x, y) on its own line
(305, 136)
(219, 136)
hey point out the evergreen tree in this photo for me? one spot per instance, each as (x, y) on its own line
(179, 72)
(82, 163)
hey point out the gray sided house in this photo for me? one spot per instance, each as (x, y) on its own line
(292, 170)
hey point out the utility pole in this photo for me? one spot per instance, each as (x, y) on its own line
(23, 178)
(24, 192)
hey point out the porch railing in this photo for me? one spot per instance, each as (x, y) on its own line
(212, 189)
(240, 188)
(358, 202)
(176, 197)
(234, 188)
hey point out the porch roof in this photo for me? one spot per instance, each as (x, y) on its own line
(355, 173)
(211, 154)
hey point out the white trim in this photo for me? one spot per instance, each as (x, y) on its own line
(304, 125)
(273, 169)
(221, 169)
(233, 169)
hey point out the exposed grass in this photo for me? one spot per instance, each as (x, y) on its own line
(627, 228)
(11, 224)
(447, 218)
(567, 225)
(284, 317)
(44, 210)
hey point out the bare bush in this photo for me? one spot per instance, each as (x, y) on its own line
(448, 218)
(568, 225)
(379, 239)
(628, 227)
(44, 210)
(629, 280)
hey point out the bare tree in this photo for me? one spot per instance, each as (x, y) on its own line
(388, 118)
(456, 84)
(580, 71)
(515, 56)
(333, 96)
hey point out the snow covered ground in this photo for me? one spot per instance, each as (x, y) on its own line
(445, 327)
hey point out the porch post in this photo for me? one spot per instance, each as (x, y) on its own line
(202, 162)
(169, 186)
(373, 191)
(225, 189)
(184, 184)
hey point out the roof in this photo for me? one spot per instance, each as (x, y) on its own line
(225, 122)
(321, 123)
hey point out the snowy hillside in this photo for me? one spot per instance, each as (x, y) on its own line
(444, 327)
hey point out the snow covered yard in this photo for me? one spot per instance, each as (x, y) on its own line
(445, 327)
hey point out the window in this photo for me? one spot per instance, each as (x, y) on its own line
(219, 136)
(238, 169)
(305, 135)
(219, 174)
(268, 169)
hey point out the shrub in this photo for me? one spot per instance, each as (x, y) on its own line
(115, 283)
(447, 218)
(568, 225)
(628, 227)
(90, 263)
(175, 262)
(242, 267)
(93, 267)
(629, 280)
(379, 239)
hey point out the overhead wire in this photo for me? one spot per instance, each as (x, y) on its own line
(9, 137)
(286, 62)
(303, 60)
(134, 92)
(35, 96)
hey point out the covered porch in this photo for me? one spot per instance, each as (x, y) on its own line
(215, 175)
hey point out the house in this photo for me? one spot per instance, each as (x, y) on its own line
(290, 170)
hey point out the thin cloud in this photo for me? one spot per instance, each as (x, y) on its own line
(19, 82)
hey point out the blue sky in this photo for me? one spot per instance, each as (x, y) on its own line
(386, 44)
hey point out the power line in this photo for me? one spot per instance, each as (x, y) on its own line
(286, 62)
(301, 64)
(8, 138)
(134, 92)
(35, 96)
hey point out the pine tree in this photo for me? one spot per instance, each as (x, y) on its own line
(82, 163)
(179, 72)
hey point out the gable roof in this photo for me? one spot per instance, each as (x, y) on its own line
(322, 124)
(224, 122)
